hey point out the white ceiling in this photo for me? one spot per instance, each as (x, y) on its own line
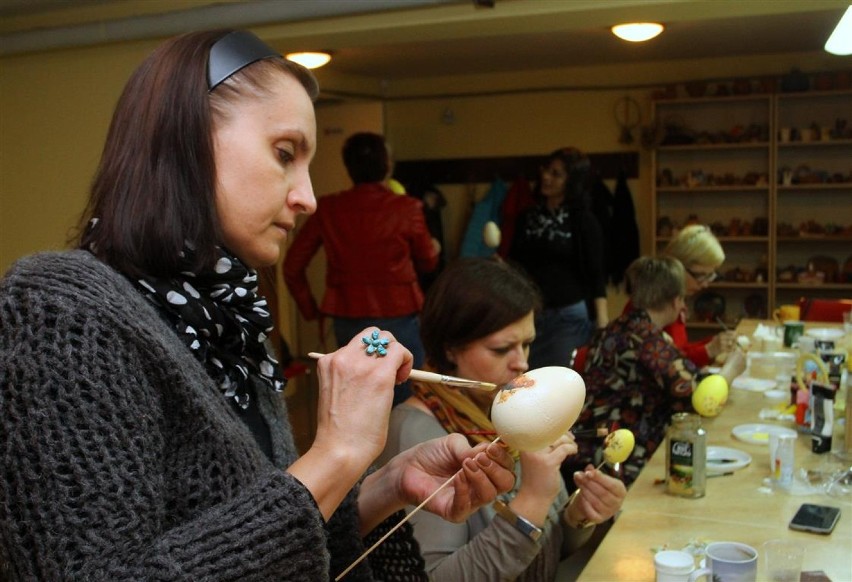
(719, 37)
(399, 39)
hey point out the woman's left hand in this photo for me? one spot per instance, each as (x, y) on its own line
(486, 471)
(600, 497)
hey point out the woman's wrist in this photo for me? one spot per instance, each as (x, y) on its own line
(533, 508)
(378, 497)
(328, 474)
(574, 517)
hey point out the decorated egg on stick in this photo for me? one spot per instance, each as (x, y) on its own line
(710, 395)
(618, 445)
(538, 407)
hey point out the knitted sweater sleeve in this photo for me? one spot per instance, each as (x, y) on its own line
(115, 465)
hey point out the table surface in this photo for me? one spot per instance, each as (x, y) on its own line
(738, 507)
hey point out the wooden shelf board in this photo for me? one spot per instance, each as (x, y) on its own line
(699, 189)
(813, 238)
(819, 286)
(715, 146)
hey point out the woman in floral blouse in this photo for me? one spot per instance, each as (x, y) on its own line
(635, 376)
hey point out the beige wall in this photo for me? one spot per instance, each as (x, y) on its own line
(54, 112)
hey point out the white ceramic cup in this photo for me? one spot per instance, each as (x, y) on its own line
(673, 565)
(728, 562)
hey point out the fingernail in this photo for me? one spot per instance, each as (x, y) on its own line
(472, 465)
(484, 460)
(493, 450)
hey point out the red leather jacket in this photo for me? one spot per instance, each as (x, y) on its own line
(375, 243)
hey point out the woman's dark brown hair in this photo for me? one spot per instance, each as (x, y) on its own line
(155, 189)
(365, 156)
(471, 299)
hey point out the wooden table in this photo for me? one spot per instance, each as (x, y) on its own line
(738, 507)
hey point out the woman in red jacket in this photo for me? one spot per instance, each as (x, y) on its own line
(376, 243)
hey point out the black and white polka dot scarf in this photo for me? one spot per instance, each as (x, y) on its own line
(223, 321)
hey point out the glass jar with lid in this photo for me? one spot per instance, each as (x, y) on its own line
(686, 456)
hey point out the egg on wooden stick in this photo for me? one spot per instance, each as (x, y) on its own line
(538, 407)
(618, 445)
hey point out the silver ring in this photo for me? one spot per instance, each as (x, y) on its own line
(376, 345)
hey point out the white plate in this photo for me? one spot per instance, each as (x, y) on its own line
(725, 460)
(753, 384)
(825, 333)
(758, 434)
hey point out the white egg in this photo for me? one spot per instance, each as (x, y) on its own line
(491, 234)
(538, 407)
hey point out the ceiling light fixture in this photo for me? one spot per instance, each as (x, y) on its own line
(840, 41)
(310, 60)
(637, 31)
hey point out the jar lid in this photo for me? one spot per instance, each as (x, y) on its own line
(674, 562)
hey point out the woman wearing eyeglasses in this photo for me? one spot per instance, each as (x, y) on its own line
(698, 249)
(700, 253)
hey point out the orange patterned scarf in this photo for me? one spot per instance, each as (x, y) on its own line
(457, 413)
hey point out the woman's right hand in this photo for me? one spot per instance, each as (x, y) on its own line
(356, 394)
(541, 480)
(355, 398)
(721, 343)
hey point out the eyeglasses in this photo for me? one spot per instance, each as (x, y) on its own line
(703, 277)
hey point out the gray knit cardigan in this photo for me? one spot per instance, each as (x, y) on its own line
(121, 460)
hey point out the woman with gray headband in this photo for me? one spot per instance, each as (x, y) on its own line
(144, 433)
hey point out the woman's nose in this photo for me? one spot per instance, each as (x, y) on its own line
(301, 197)
(519, 362)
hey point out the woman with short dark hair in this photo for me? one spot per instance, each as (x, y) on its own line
(636, 378)
(478, 323)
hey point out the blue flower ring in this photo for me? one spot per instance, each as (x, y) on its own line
(375, 344)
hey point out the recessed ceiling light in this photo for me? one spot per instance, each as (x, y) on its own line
(310, 60)
(637, 31)
(840, 41)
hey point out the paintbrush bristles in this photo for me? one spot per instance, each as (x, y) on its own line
(592, 432)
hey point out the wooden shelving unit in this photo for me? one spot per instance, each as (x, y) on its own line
(722, 160)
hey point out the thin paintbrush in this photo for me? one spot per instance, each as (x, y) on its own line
(581, 434)
(434, 378)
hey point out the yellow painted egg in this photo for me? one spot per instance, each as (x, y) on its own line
(395, 186)
(710, 395)
(618, 445)
(491, 234)
(538, 407)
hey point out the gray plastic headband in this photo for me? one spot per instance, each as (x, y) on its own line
(232, 52)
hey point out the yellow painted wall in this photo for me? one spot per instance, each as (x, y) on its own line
(55, 109)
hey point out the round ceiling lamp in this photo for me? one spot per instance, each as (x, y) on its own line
(309, 60)
(637, 31)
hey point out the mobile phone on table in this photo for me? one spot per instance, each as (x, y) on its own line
(815, 518)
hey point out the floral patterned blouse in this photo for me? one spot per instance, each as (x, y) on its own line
(636, 378)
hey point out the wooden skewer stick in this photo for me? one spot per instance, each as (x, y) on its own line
(402, 521)
(434, 378)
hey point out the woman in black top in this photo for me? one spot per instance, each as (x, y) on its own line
(559, 243)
